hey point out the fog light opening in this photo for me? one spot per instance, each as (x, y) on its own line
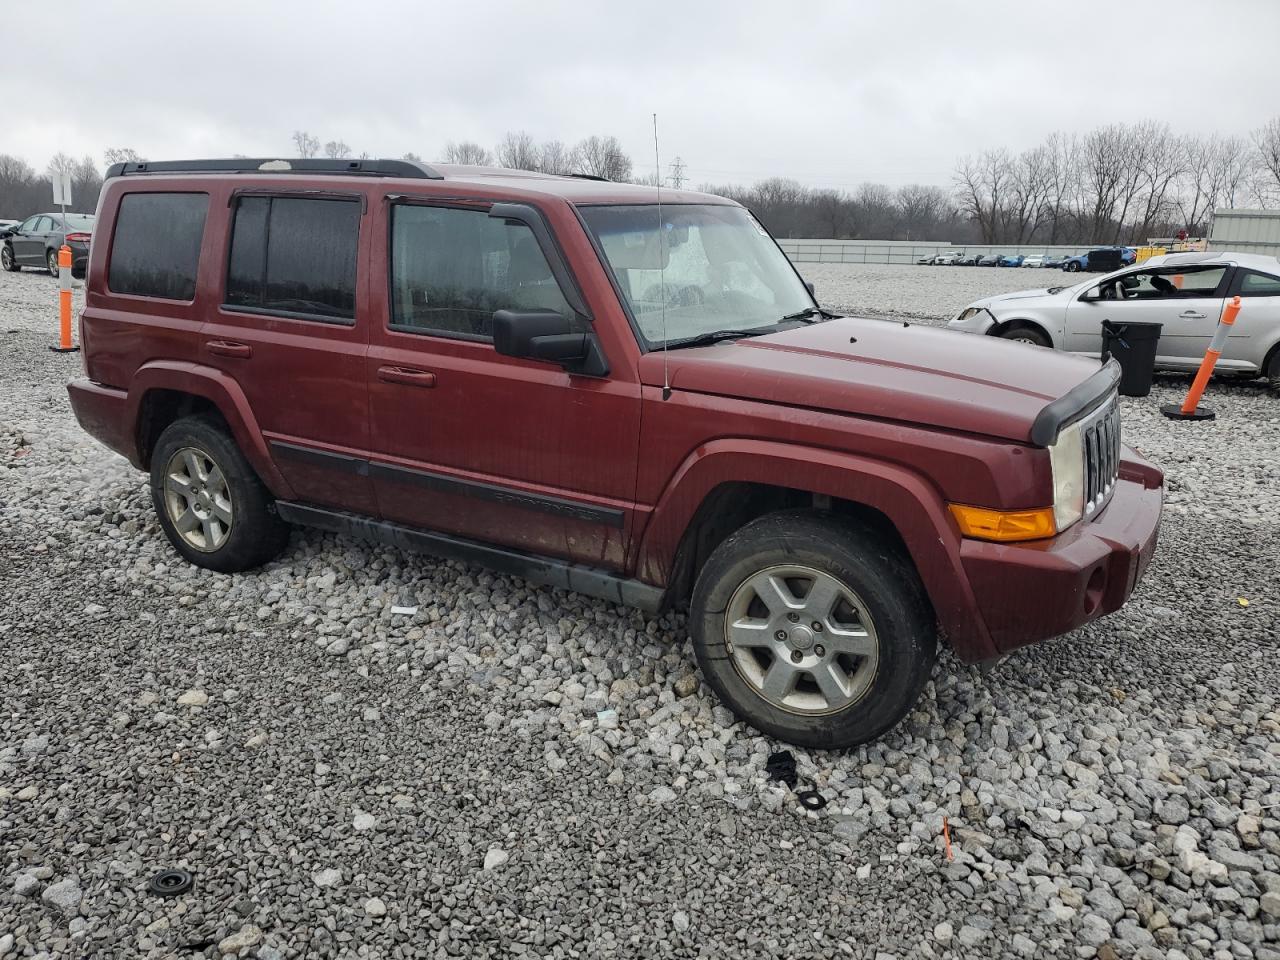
(1093, 591)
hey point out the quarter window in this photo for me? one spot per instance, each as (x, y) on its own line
(155, 251)
(452, 268)
(1259, 285)
(294, 256)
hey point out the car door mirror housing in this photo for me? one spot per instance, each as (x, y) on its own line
(548, 336)
(808, 285)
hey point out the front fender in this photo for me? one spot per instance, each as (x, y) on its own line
(906, 498)
(225, 394)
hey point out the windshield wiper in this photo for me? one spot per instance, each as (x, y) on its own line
(808, 313)
(715, 336)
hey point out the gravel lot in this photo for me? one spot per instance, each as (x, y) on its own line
(346, 782)
(930, 294)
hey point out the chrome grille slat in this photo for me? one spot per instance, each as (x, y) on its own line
(1101, 441)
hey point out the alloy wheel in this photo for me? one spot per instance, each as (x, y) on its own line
(802, 639)
(197, 499)
(6, 257)
(53, 263)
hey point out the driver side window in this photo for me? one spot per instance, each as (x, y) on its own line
(1169, 283)
(29, 225)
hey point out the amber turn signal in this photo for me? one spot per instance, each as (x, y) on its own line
(1004, 526)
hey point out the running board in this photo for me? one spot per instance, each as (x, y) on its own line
(589, 581)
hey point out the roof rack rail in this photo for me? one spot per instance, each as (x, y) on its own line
(588, 176)
(411, 169)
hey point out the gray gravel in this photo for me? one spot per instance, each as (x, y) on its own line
(514, 770)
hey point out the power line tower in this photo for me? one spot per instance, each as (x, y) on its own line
(677, 173)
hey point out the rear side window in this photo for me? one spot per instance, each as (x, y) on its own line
(452, 268)
(1259, 285)
(295, 256)
(155, 251)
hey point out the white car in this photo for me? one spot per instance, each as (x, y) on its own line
(1183, 291)
(947, 259)
(1035, 260)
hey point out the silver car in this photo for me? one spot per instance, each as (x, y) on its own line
(1183, 291)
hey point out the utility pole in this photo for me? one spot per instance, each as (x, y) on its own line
(677, 173)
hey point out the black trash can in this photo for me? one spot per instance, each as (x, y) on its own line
(1134, 347)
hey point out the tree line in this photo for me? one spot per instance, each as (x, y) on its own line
(1119, 183)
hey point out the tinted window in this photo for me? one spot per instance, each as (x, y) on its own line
(451, 269)
(1166, 283)
(1259, 285)
(295, 256)
(156, 249)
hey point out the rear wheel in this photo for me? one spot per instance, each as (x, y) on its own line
(211, 504)
(1272, 371)
(813, 629)
(1026, 335)
(1072, 267)
(51, 261)
(7, 260)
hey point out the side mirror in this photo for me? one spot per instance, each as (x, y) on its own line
(1093, 293)
(546, 335)
(808, 285)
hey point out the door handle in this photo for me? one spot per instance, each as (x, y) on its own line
(1191, 315)
(229, 348)
(407, 375)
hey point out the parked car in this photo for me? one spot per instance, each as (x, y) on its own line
(6, 224)
(1011, 260)
(1034, 260)
(990, 259)
(1054, 261)
(947, 259)
(968, 260)
(1101, 259)
(1183, 291)
(927, 261)
(537, 374)
(35, 242)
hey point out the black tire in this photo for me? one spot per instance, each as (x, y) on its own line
(902, 626)
(1072, 267)
(1026, 335)
(51, 262)
(7, 260)
(1272, 371)
(254, 534)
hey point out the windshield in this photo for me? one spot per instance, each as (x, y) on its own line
(714, 269)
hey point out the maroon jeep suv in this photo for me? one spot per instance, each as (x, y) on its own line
(617, 391)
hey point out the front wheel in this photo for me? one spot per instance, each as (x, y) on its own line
(7, 260)
(1026, 335)
(212, 506)
(1072, 268)
(51, 261)
(813, 629)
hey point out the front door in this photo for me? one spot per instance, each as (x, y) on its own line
(465, 441)
(28, 243)
(1185, 300)
(292, 330)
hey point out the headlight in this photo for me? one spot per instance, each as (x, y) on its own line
(967, 314)
(1067, 459)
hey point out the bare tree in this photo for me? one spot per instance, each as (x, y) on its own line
(122, 155)
(468, 153)
(981, 185)
(410, 155)
(604, 157)
(920, 209)
(305, 144)
(1267, 141)
(555, 157)
(336, 150)
(517, 151)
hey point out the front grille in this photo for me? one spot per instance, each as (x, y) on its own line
(1101, 437)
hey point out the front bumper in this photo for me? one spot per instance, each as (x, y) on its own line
(1036, 590)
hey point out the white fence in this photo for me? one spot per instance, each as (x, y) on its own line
(901, 251)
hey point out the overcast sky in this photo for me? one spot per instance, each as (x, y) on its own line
(831, 94)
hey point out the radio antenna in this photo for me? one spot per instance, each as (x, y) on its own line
(662, 279)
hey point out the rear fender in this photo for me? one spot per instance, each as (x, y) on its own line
(905, 497)
(225, 394)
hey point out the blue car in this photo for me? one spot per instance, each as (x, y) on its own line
(1101, 259)
(1010, 260)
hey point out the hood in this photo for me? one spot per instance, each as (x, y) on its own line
(1063, 293)
(890, 371)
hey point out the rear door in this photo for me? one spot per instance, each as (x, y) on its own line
(292, 330)
(1185, 301)
(1256, 331)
